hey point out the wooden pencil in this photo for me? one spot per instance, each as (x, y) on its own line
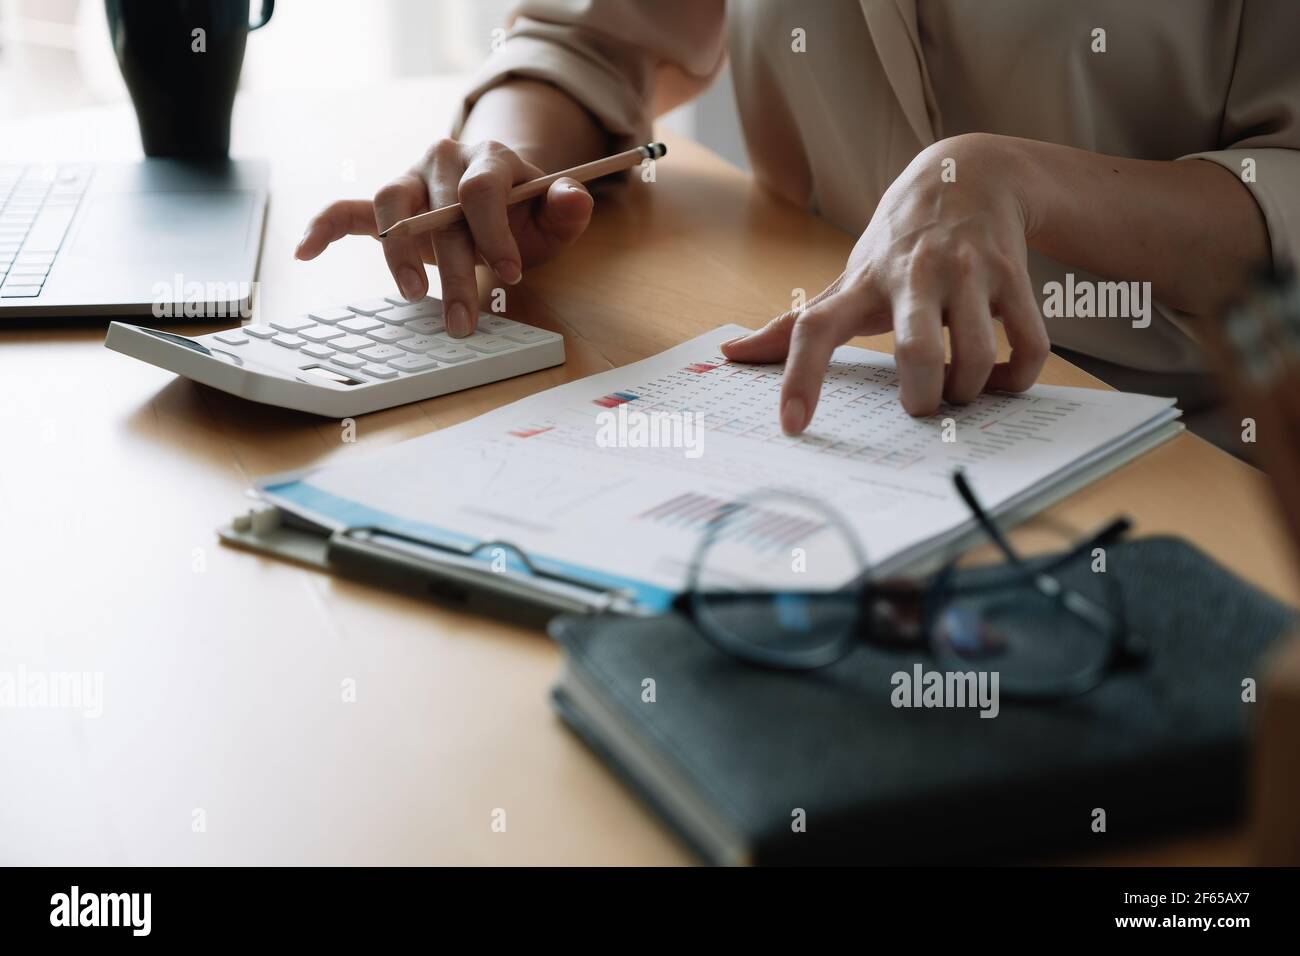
(444, 216)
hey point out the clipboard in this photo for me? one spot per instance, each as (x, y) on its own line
(524, 594)
(510, 588)
(354, 528)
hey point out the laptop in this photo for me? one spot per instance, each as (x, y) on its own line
(172, 239)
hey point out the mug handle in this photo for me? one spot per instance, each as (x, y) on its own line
(268, 8)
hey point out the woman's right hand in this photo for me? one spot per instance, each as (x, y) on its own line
(478, 176)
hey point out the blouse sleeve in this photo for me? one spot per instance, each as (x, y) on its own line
(1260, 134)
(626, 61)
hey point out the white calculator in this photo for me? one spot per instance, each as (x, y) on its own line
(347, 360)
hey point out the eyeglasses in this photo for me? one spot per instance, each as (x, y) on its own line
(1050, 626)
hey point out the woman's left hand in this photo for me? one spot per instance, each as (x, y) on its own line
(935, 253)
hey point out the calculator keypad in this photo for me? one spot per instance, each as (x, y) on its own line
(382, 339)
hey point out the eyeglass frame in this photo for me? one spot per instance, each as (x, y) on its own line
(1124, 649)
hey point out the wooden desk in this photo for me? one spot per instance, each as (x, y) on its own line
(222, 672)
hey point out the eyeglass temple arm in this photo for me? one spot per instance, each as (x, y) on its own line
(1117, 528)
(987, 523)
(1111, 532)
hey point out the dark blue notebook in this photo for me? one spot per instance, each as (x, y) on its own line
(759, 766)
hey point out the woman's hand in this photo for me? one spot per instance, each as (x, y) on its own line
(507, 238)
(936, 253)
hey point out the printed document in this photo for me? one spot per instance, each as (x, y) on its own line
(615, 477)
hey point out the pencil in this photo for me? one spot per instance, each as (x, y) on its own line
(445, 215)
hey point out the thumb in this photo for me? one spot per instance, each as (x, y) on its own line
(565, 210)
(771, 343)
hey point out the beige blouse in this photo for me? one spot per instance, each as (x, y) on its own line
(837, 96)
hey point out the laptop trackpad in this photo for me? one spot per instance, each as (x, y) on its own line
(202, 234)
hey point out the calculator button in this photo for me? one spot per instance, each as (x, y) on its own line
(317, 351)
(389, 334)
(380, 353)
(350, 343)
(370, 306)
(488, 343)
(232, 338)
(320, 333)
(526, 335)
(420, 343)
(413, 363)
(360, 324)
(494, 323)
(379, 371)
(421, 310)
(448, 339)
(259, 331)
(453, 353)
(426, 302)
(426, 326)
(348, 361)
(330, 316)
(291, 325)
(289, 341)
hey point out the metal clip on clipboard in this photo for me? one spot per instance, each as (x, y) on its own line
(455, 578)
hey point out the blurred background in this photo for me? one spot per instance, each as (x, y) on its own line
(55, 55)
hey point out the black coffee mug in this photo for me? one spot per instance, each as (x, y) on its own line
(181, 61)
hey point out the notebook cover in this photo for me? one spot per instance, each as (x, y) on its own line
(1158, 750)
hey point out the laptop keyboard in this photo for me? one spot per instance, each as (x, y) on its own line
(37, 204)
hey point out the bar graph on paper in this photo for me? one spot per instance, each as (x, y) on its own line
(758, 527)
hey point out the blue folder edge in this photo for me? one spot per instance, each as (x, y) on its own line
(351, 514)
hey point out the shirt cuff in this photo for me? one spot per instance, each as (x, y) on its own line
(1273, 178)
(605, 93)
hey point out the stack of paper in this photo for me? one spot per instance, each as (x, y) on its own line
(614, 478)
